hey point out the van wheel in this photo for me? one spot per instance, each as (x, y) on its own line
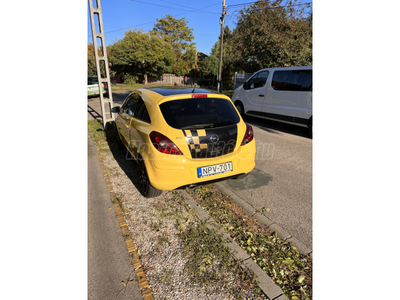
(146, 189)
(310, 131)
(239, 107)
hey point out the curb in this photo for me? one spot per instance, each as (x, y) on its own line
(264, 221)
(133, 254)
(266, 284)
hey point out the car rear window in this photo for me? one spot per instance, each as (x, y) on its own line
(199, 113)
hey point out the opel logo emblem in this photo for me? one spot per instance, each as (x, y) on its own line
(214, 138)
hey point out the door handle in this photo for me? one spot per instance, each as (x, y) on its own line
(260, 95)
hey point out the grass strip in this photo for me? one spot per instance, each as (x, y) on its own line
(281, 261)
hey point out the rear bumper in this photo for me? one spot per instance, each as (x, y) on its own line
(169, 172)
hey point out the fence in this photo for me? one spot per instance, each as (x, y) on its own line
(240, 78)
(169, 79)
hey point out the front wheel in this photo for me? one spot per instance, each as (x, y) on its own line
(146, 188)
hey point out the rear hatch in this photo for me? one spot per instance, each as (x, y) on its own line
(208, 124)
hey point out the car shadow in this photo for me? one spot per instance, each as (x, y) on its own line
(276, 127)
(122, 157)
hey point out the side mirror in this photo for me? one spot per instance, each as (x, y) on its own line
(246, 85)
(115, 109)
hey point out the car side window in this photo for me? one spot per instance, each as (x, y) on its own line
(141, 112)
(129, 105)
(258, 80)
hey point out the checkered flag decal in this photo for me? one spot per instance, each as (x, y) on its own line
(192, 138)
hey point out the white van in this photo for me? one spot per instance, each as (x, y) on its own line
(280, 94)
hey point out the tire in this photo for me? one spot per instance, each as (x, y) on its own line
(240, 108)
(146, 189)
(310, 130)
(121, 145)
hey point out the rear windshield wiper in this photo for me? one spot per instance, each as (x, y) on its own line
(197, 126)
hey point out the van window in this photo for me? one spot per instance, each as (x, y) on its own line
(307, 81)
(295, 80)
(258, 80)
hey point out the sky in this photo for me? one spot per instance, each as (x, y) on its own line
(202, 16)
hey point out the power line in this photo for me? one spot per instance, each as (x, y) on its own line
(194, 9)
(152, 22)
(191, 10)
(283, 6)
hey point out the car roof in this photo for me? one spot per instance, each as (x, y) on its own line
(286, 69)
(178, 91)
(160, 95)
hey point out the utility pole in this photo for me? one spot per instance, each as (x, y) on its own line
(195, 67)
(105, 103)
(222, 21)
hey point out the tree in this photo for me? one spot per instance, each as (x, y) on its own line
(184, 63)
(270, 34)
(91, 68)
(176, 33)
(209, 66)
(229, 57)
(140, 53)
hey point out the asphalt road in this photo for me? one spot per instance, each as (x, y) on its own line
(280, 186)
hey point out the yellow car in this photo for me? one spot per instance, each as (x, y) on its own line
(183, 137)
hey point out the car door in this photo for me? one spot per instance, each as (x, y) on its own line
(140, 127)
(254, 91)
(124, 118)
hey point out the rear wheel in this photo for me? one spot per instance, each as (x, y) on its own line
(239, 107)
(146, 188)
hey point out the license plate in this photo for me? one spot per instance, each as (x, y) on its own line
(214, 169)
(93, 88)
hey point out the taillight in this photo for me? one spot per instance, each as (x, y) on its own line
(104, 85)
(248, 136)
(164, 144)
